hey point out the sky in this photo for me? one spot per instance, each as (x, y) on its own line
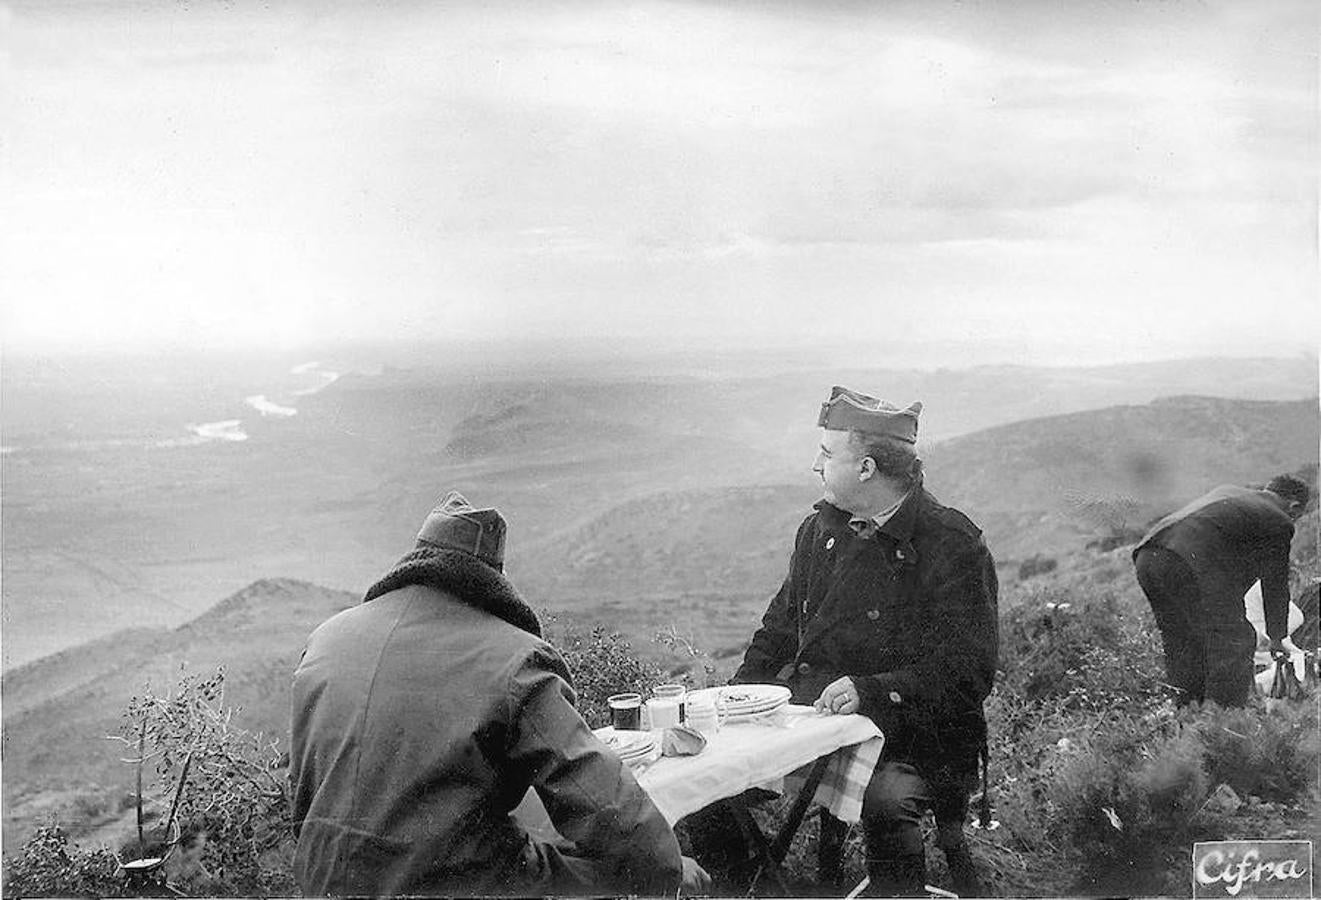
(1083, 181)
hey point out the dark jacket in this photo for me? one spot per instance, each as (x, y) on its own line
(910, 614)
(1230, 537)
(422, 717)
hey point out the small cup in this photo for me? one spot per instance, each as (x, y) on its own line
(664, 712)
(675, 692)
(625, 712)
(702, 715)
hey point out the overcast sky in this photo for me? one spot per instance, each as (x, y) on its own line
(1133, 179)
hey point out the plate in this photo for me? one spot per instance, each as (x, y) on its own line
(627, 744)
(745, 699)
(736, 714)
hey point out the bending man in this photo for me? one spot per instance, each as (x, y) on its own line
(1196, 564)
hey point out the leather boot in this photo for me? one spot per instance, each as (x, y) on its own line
(962, 872)
(830, 851)
(902, 876)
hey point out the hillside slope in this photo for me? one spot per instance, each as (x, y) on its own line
(109, 521)
(1046, 485)
(54, 749)
(701, 560)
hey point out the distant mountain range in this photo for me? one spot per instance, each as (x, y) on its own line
(670, 520)
(110, 522)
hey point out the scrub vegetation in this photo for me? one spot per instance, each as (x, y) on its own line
(1100, 785)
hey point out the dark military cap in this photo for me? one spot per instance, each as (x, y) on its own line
(455, 525)
(848, 410)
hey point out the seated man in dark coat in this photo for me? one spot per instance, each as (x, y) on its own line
(420, 719)
(890, 610)
(1196, 564)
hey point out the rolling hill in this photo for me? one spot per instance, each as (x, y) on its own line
(57, 711)
(108, 521)
(701, 558)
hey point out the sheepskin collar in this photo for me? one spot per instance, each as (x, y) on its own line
(464, 576)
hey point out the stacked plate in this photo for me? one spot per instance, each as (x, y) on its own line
(633, 747)
(744, 701)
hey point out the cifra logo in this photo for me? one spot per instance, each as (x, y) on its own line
(1264, 868)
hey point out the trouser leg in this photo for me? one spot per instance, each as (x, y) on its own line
(1172, 590)
(1228, 653)
(951, 811)
(892, 809)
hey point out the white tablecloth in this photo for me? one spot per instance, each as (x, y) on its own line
(749, 754)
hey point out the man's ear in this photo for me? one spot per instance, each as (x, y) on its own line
(867, 468)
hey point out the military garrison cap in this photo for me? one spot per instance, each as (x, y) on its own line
(848, 410)
(455, 525)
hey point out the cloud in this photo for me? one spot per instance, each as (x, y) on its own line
(657, 166)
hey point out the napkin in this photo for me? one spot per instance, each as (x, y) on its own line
(682, 741)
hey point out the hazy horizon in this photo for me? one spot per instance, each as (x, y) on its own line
(1019, 182)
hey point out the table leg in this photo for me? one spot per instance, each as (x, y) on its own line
(780, 848)
(752, 833)
(772, 853)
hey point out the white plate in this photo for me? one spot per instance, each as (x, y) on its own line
(627, 744)
(737, 699)
(754, 713)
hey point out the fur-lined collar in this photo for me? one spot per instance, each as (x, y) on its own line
(466, 577)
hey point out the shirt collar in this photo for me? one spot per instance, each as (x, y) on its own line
(896, 522)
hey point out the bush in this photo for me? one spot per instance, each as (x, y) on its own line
(1091, 653)
(221, 782)
(1272, 756)
(1127, 807)
(602, 663)
(219, 789)
(49, 866)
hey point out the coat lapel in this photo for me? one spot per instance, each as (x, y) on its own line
(864, 571)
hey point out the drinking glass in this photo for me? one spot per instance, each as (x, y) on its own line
(675, 692)
(664, 712)
(625, 711)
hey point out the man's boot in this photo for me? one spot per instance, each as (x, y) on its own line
(830, 851)
(901, 876)
(962, 871)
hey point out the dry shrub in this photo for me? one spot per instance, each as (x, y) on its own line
(1273, 755)
(1129, 808)
(601, 663)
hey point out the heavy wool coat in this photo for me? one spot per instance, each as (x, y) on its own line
(909, 613)
(422, 717)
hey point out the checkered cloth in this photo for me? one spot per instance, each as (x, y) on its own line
(845, 782)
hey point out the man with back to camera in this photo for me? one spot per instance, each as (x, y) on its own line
(420, 719)
(890, 610)
(1196, 564)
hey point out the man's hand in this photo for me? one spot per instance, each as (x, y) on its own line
(840, 696)
(1277, 650)
(695, 879)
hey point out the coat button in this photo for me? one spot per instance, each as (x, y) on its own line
(804, 668)
(830, 542)
(873, 614)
